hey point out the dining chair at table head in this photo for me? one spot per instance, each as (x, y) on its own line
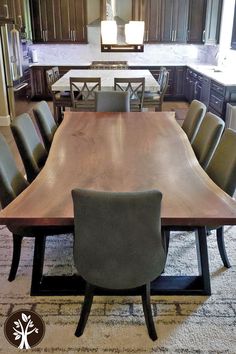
(82, 90)
(61, 99)
(112, 101)
(135, 87)
(155, 99)
(46, 122)
(207, 138)
(31, 149)
(118, 244)
(222, 170)
(193, 119)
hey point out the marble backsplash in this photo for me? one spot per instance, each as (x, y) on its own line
(154, 54)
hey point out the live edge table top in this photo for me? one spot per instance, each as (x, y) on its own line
(122, 152)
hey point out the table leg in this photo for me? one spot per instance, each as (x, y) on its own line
(37, 272)
(202, 255)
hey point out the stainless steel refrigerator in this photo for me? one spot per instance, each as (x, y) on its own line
(14, 64)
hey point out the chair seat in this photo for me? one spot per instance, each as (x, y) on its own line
(65, 95)
(151, 96)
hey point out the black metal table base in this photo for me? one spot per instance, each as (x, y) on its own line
(164, 285)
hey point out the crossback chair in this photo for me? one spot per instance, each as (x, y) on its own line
(82, 91)
(46, 123)
(135, 87)
(61, 99)
(30, 147)
(207, 138)
(112, 101)
(118, 245)
(222, 170)
(155, 99)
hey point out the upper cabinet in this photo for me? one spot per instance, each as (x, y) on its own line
(213, 21)
(59, 21)
(196, 21)
(233, 39)
(179, 21)
(174, 21)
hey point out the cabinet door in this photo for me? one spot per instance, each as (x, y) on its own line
(174, 20)
(6, 9)
(78, 10)
(196, 20)
(43, 16)
(179, 81)
(213, 20)
(180, 22)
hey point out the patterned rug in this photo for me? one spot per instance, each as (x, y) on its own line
(185, 324)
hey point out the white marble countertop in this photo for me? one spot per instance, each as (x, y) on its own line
(107, 78)
(224, 76)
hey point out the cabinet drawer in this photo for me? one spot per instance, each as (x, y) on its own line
(220, 89)
(217, 102)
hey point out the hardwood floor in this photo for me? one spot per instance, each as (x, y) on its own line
(6, 131)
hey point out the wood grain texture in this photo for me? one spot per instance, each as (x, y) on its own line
(122, 152)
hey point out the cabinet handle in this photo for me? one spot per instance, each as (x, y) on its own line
(204, 36)
(175, 35)
(20, 21)
(188, 35)
(75, 35)
(171, 33)
(46, 35)
(7, 10)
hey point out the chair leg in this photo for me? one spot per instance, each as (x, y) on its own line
(17, 240)
(88, 300)
(221, 246)
(148, 312)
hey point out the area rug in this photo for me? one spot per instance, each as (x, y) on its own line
(185, 324)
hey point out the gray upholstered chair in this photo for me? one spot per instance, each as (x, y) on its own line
(31, 149)
(46, 122)
(118, 244)
(207, 138)
(135, 86)
(193, 119)
(222, 170)
(155, 99)
(82, 90)
(12, 183)
(112, 101)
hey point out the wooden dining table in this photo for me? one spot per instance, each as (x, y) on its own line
(120, 152)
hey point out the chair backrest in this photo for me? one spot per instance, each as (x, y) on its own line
(83, 92)
(222, 167)
(12, 181)
(32, 151)
(118, 243)
(207, 138)
(56, 73)
(160, 76)
(50, 79)
(112, 101)
(135, 87)
(46, 122)
(193, 119)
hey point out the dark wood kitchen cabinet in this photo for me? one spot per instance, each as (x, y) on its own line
(13, 9)
(196, 21)
(174, 21)
(59, 21)
(149, 11)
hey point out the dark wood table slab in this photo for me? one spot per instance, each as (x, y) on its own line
(123, 152)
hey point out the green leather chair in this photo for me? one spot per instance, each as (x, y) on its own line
(31, 149)
(222, 170)
(193, 119)
(112, 101)
(12, 184)
(207, 138)
(46, 123)
(118, 244)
